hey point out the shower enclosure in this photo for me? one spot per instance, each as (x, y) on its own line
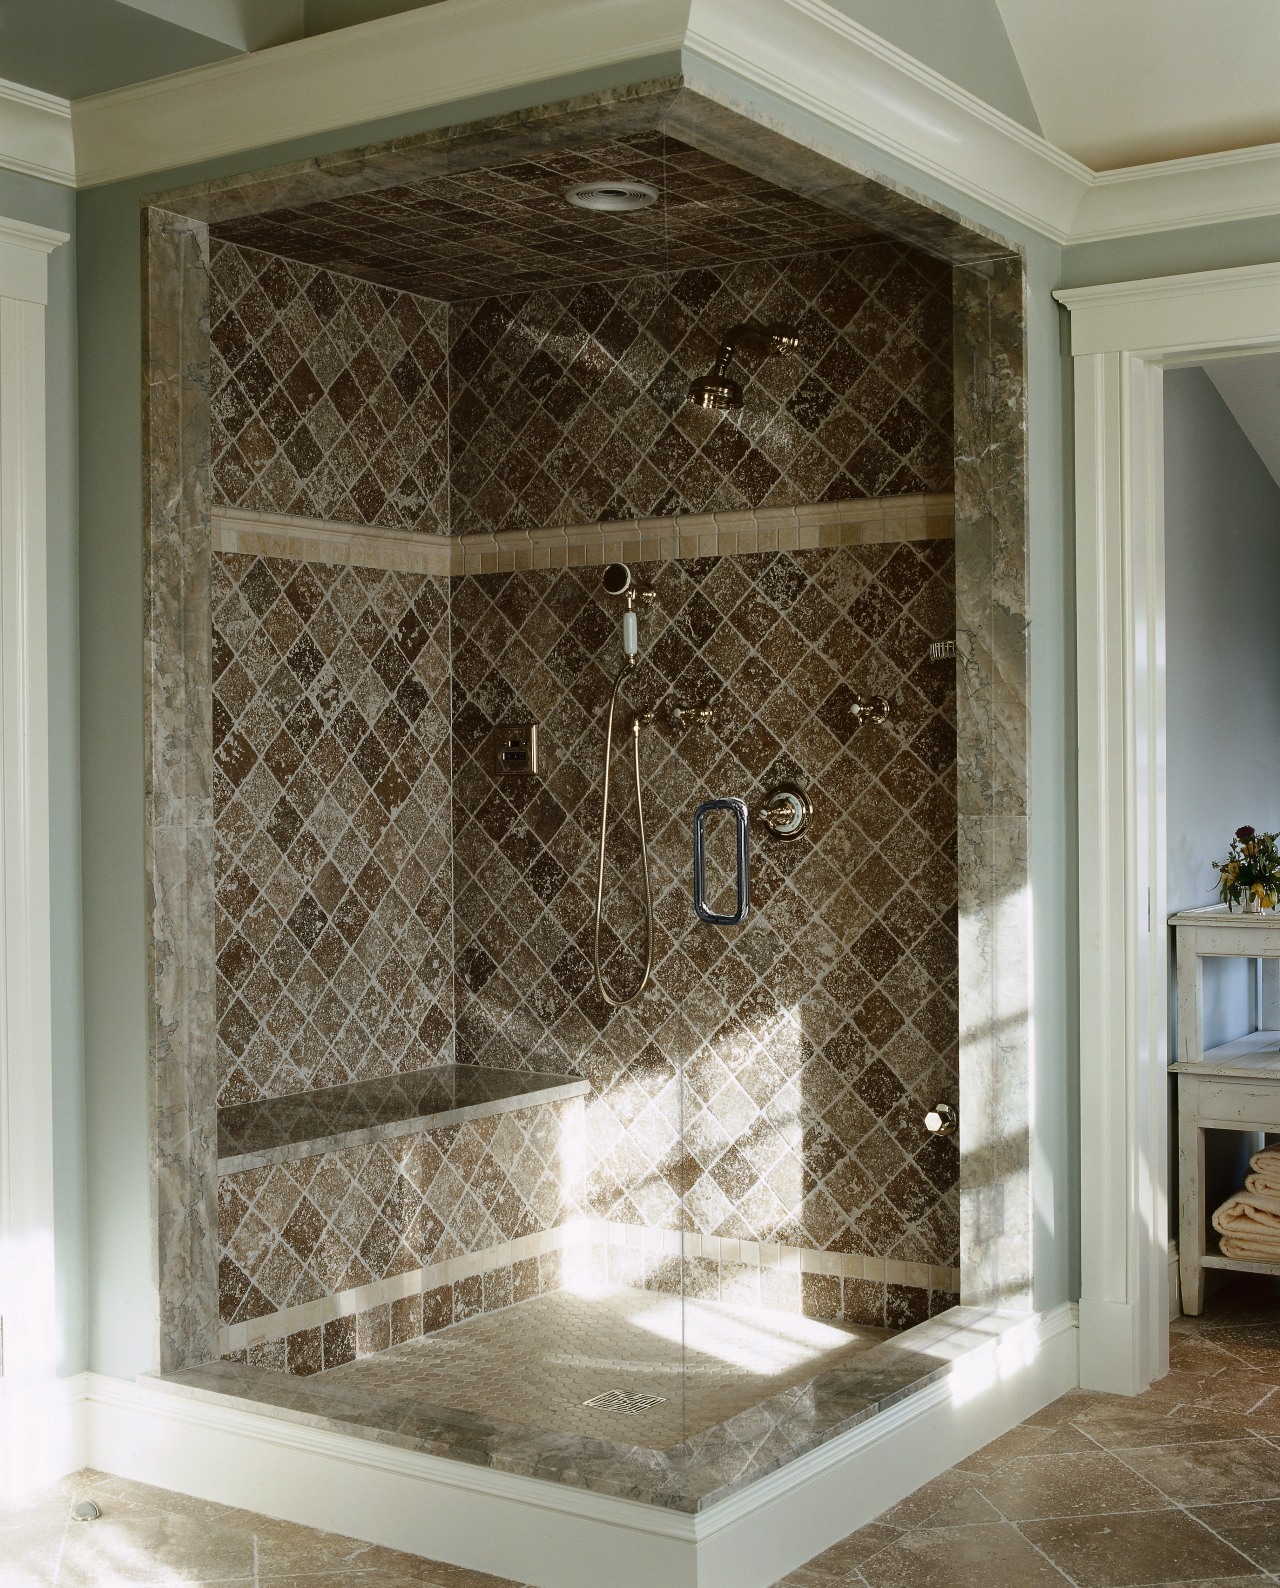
(528, 541)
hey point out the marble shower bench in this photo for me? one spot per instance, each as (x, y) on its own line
(307, 1124)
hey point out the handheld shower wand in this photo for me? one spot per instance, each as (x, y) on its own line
(617, 581)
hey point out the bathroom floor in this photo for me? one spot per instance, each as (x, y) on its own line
(539, 1362)
(1180, 1485)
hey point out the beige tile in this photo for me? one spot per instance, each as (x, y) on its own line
(154, 1548)
(1232, 1470)
(996, 1556)
(1124, 1551)
(1130, 1427)
(1074, 1484)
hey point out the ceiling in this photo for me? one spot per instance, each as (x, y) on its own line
(1123, 82)
(72, 48)
(1111, 82)
(1250, 387)
(509, 229)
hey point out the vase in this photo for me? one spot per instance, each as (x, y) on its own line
(1252, 904)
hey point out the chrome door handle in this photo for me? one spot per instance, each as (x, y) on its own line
(701, 907)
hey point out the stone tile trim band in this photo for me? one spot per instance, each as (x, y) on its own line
(543, 1250)
(769, 1254)
(882, 520)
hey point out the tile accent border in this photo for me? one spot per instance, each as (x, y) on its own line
(833, 1285)
(414, 1303)
(862, 521)
(240, 531)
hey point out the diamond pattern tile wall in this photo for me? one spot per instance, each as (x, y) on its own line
(332, 862)
(298, 1231)
(568, 405)
(797, 1054)
(328, 395)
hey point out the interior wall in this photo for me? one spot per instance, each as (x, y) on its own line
(328, 396)
(772, 1084)
(25, 198)
(1222, 534)
(568, 405)
(333, 877)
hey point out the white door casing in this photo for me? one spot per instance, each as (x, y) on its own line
(1123, 337)
(27, 1298)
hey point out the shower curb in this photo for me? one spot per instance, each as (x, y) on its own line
(549, 1534)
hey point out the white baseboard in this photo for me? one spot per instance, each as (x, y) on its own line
(549, 1534)
(42, 1432)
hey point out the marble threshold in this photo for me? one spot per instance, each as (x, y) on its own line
(854, 521)
(305, 1124)
(689, 1476)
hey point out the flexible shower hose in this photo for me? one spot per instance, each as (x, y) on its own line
(617, 1000)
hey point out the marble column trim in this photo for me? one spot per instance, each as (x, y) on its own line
(178, 697)
(992, 785)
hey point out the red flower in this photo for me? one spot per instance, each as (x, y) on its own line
(1243, 833)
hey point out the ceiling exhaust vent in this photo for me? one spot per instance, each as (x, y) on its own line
(615, 196)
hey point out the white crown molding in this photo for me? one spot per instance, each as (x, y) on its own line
(804, 52)
(35, 134)
(1206, 190)
(1227, 311)
(808, 53)
(434, 56)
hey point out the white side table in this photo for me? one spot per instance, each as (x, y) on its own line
(1235, 1086)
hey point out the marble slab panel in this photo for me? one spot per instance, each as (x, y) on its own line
(178, 781)
(283, 1129)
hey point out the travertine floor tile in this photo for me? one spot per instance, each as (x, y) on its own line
(995, 1556)
(1155, 1547)
(1233, 1470)
(1067, 1485)
(1252, 1528)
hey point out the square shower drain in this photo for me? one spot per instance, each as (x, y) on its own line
(628, 1402)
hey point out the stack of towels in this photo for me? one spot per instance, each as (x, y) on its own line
(1249, 1220)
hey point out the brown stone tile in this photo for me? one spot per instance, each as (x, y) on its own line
(1224, 1471)
(1253, 1529)
(1154, 1547)
(1070, 1484)
(955, 1557)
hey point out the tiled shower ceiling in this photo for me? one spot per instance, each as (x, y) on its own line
(474, 233)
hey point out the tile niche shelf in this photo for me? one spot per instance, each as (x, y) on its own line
(306, 1124)
(1234, 1086)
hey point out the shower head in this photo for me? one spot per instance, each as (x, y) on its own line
(617, 579)
(717, 389)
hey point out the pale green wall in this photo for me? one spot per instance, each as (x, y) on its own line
(25, 198)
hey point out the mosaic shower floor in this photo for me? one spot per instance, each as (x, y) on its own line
(539, 1362)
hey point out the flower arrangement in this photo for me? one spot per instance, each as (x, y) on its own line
(1250, 875)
